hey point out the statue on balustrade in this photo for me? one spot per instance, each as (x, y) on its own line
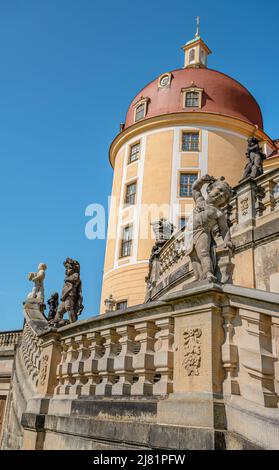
(53, 303)
(255, 158)
(38, 293)
(163, 230)
(71, 299)
(209, 222)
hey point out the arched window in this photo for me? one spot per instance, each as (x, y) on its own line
(192, 56)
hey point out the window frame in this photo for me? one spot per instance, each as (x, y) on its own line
(192, 51)
(180, 217)
(124, 242)
(134, 195)
(192, 89)
(186, 172)
(142, 101)
(138, 143)
(190, 131)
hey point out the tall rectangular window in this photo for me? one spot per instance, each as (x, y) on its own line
(192, 99)
(134, 152)
(182, 222)
(190, 141)
(140, 112)
(126, 242)
(186, 183)
(131, 190)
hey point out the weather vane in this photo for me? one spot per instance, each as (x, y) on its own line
(198, 27)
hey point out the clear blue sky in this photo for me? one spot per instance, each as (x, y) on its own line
(68, 71)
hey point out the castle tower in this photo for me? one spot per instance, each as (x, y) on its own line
(185, 123)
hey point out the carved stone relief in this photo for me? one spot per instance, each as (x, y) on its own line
(192, 350)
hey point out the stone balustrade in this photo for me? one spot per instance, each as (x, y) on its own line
(30, 351)
(202, 355)
(9, 339)
(255, 198)
(127, 358)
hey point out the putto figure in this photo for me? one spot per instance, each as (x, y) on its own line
(255, 158)
(38, 292)
(71, 299)
(207, 216)
(53, 303)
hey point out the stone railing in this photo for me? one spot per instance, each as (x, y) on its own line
(126, 357)
(205, 343)
(172, 252)
(255, 198)
(9, 339)
(255, 204)
(30, 352)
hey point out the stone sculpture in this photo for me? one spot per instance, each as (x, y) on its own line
(38, 280)
(53, 303)
(255, 158)
(71, 299)
(163, 230)
(209, 220)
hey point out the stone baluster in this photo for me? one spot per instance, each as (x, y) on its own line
(123, 363)
(257, 359)
(229, 353)
(78, 365)
(66, 370)
(275, 347)
(163, 358)
(276, 192)
(268, 200)
(233, 212)
(59, 374)
(96, 351)
(106, 363)
(143, 362)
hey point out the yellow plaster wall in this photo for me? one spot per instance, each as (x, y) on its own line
(132, 170)
(189, 160)
(112, 226)
(157, 178)
(226, 156)
(244, 269)
(126, 283)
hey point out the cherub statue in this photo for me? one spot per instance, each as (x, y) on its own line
(207, 215)
(71, 299)
(53, 303)
(255, 158)
(38, 279)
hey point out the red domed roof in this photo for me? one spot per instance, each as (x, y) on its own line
(221, 95)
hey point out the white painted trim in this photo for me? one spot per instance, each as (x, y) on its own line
(176, 158)
(125, 265)
(138, 200)
(120, 209)
(203, 155)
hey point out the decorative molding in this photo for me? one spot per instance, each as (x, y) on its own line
(244, 205)
(192, 348)
(43, 370)
(164, 81)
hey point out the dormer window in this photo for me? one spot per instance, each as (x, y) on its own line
(192, 97)
(140, 112)
(140, 109)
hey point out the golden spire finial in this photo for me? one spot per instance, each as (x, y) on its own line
(198, 27)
